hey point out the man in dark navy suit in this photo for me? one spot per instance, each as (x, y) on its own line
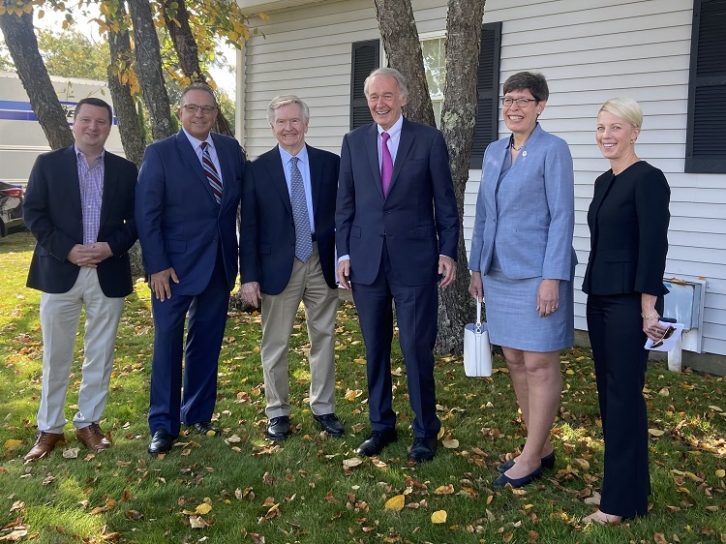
(186, 208)
(287, 255)
(397, 227)
(79, 205)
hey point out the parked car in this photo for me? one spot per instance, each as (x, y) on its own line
(11, 207)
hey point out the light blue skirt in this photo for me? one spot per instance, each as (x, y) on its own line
(512, 318)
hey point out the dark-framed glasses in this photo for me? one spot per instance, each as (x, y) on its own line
(194, 108)
(666, 335)
(521, 102)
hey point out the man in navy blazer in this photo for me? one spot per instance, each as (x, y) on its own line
(287, 256)
(397, 228)
(79, 205)
(186, 208)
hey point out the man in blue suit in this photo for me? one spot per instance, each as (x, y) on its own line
(287, 256)
(186, 206)
(397, 228)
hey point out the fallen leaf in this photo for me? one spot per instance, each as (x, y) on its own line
(584, 465)
(134, 515)
(17, 505)
(720, 473)
(655, 432)
(234, 439)
(378, 463)
(395, 503)
(450, 443)
(659, 538)
(595, 499)
(16, 535)
(71, 453)
(447, 489)
(198, 522)
(12, 444)
(351, 394)
(664, 392)
(203, 508)
(352, 462)
(439, 517)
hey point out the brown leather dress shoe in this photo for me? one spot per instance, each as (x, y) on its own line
(93, 437)
(44, 444)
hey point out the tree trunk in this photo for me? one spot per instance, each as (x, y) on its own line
(458, 118)
(129, 121)
(23, 46)
(176, 18)
(403, 49)
(148, 69)
(129, 124)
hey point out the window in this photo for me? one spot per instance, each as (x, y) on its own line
(705, 142)
(365, 57)
(434, 59)
(487, 87)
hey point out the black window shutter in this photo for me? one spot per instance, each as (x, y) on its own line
(487, 86)
(365, 57)
(705, 141)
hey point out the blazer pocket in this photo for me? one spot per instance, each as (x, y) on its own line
(176, 246)
(355, 232)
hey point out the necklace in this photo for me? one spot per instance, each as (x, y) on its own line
(517, 148)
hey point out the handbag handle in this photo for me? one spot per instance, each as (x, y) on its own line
(478, 315)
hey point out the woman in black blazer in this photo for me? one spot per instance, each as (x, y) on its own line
(628, 220)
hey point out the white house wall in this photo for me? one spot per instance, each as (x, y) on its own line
(590, 50)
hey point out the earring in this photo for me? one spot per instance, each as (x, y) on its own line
(632, 141)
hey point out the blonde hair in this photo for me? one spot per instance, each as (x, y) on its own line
(625, 108)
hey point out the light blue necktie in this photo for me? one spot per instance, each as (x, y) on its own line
(303, 235)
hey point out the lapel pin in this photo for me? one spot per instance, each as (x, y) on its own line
(524, 153)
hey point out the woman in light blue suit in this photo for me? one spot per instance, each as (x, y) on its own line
(522, 259)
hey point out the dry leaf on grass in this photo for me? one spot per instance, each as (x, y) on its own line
(450, 443)
(447, 489)
(15, 535)
(352, 462)
(13, 444)
(395, 503)
(203, 508)
(655, 432)
(198, 522)
(71, 453)
(439, 517)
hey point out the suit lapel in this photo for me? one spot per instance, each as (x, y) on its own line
(70, 167)
(371, 145)
(109, 188)
(315, 168)
(189, 158)
(274, 165)
(405, 145)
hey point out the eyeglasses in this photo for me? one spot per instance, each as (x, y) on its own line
(666, 335)
(521, 102)
(194, 108)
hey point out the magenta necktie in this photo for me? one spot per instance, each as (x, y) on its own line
(386, 164)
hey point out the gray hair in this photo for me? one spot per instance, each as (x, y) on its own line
(285, 100)
(199, 86)
(625, 108)
(389, 72)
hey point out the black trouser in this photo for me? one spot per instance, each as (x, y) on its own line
(617, 338)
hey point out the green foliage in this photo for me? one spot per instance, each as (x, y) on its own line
(71, 54)
(300, 491)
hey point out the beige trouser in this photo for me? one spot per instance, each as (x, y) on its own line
(306, 284)
(59, 317)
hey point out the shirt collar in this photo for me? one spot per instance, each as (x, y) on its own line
(196, 142)
(302, 155)
(80, 153)
(395, 130)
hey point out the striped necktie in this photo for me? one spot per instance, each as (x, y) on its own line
(215, 182)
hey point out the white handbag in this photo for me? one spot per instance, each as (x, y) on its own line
(477, 350)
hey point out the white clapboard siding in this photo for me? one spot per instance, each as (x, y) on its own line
(590, 50)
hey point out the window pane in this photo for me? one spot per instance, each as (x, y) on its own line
(434, 57)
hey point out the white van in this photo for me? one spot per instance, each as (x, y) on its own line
(21, 137)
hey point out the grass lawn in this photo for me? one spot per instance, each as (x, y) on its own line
(238, 487)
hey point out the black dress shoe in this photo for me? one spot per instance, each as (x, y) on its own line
(161, 442)
(423, 449)
(376, 442)
(548, 461)
(278, 428)
(330, 424)
(204, 427)
(518, 482)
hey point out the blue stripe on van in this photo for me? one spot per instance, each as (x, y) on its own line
(13, 110)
